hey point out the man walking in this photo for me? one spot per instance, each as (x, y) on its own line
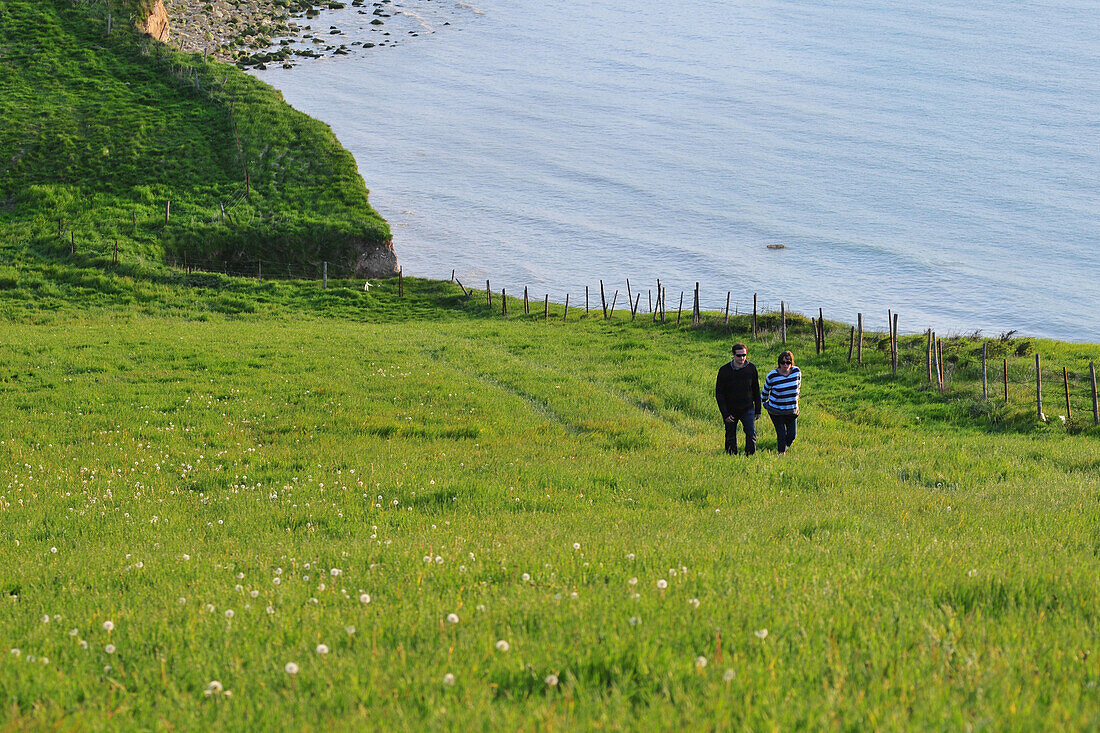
(737, 391)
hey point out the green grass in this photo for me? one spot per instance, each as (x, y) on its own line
(916, 562)
(99, 133)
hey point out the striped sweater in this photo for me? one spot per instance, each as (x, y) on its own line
(780, 394)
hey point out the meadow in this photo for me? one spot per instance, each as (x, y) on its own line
(231, 504)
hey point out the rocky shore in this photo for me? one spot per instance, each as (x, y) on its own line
(235, 30)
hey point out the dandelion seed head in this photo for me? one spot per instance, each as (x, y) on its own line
(662, 584)
(322, 649)
(700, 662)
(551, 680)
(452, 618)
(364, 597)
(291, 668)
(108, 626)
(449, 680)
(503, 646)
(761, 633)
(110, 648)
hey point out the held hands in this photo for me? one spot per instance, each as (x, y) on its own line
(731, 418)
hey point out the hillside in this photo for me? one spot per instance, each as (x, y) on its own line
(236, 504)
(114, 140)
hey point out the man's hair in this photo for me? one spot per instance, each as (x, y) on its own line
(739, 345)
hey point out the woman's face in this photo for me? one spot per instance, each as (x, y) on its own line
(785, 366)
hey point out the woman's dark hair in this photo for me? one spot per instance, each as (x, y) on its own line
(785, 356)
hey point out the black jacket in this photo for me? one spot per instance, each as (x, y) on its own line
(737, 390)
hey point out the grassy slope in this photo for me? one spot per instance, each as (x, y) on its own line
(913, 566)
(101, 132)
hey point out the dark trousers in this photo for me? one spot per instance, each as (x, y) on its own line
(785, 426)
(748, 421)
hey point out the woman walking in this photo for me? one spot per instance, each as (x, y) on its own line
(780, 398)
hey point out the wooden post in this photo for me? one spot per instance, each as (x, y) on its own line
(452, 276)
(1004, 363)
(650, 298)
(985, 386)
(526, 306)
(894, 344)
(695, 314)
(821, 326)
(680, 309)
(1065, 382)
(565, 314)
(634, 310)
(664, 302)
(324, 276)
(727, 309)
(1095, 404)
(612, 313)
(488, 292)
(928, 355)
(504, 302)
(852, 343)
(754, 316)
(859, 343)
(603, 301)
(939, 365)
(629, 297)
(783, 319)
(1038, 387)
(167, 210)
(546, 308)
(586, 300)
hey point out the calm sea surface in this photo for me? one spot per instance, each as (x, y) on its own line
(938, 158)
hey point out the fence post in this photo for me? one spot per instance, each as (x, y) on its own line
(754, 316)
(650, 298)
(1038, 387)
(680, 309)
(1065, 381)
(488, 292)
(985, 388)
(859, 343)
(894, 344)
(586, 300)
(504, 302)
(324, 277)
(452, 276)
(821, 325)
(629, 297)
(634, 310)
(546, 308)
(612, 313)
(603, 301)
(526, 307)
(727, 309)
(1095, 404)
(928, 355)
(565, 315)
(664, 302)
(695, 315)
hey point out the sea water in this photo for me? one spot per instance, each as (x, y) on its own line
(939, 158)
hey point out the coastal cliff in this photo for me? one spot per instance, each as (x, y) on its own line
(174, 158)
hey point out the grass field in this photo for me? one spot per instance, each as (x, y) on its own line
(221, 481)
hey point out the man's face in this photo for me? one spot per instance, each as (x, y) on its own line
(740, 357)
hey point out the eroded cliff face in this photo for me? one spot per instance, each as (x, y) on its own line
(376, 261)
(156, 25)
